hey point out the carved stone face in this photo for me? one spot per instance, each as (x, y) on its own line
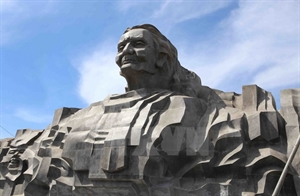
(15, 160)
(136, 51)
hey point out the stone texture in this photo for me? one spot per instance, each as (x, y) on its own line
(166, 135)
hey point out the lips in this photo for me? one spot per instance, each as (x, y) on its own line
(128, 59)
(13, 163)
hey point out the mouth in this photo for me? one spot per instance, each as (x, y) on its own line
(13, 163)
(128, 60)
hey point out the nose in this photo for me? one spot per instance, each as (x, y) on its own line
(128, 49)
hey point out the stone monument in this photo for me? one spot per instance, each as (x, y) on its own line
(167, 135)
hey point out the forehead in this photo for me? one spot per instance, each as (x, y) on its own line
(136, 34)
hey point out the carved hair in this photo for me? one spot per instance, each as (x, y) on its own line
(185, 81)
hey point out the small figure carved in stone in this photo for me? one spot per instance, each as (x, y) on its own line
(22, 164)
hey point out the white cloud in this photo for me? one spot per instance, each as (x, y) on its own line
(258, 43)
(179, 11)
(280, 76)
(275, 37)
(32, 115)
(99, 74)
(167, 13)
(125, 5)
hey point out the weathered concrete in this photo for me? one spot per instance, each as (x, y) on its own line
(166, 135)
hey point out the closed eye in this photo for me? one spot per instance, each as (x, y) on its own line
(120, 48)
(12, 151)
(21, 151)
(139, 44)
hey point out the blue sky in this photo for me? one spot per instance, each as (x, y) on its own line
(61, 53)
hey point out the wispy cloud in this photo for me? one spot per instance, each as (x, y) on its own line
(32, 115)
(125, 5)
(99, 73)
(258, 44)
(179, 11)
(167, 13)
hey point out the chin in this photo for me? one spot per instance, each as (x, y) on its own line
(129, 65)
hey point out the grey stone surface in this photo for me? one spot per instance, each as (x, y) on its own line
(166, 135)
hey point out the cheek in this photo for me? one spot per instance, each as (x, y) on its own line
(145, 55)
(151, 54)
(118, 59)
(25, 156)
(140, 52)
(6, 158)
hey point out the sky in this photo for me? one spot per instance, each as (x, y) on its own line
(61, 53)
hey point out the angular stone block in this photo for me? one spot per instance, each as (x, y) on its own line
(63, 113)
(290, 110)
(257, 99)
(263, 124)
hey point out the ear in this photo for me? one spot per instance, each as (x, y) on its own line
(162, 58)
